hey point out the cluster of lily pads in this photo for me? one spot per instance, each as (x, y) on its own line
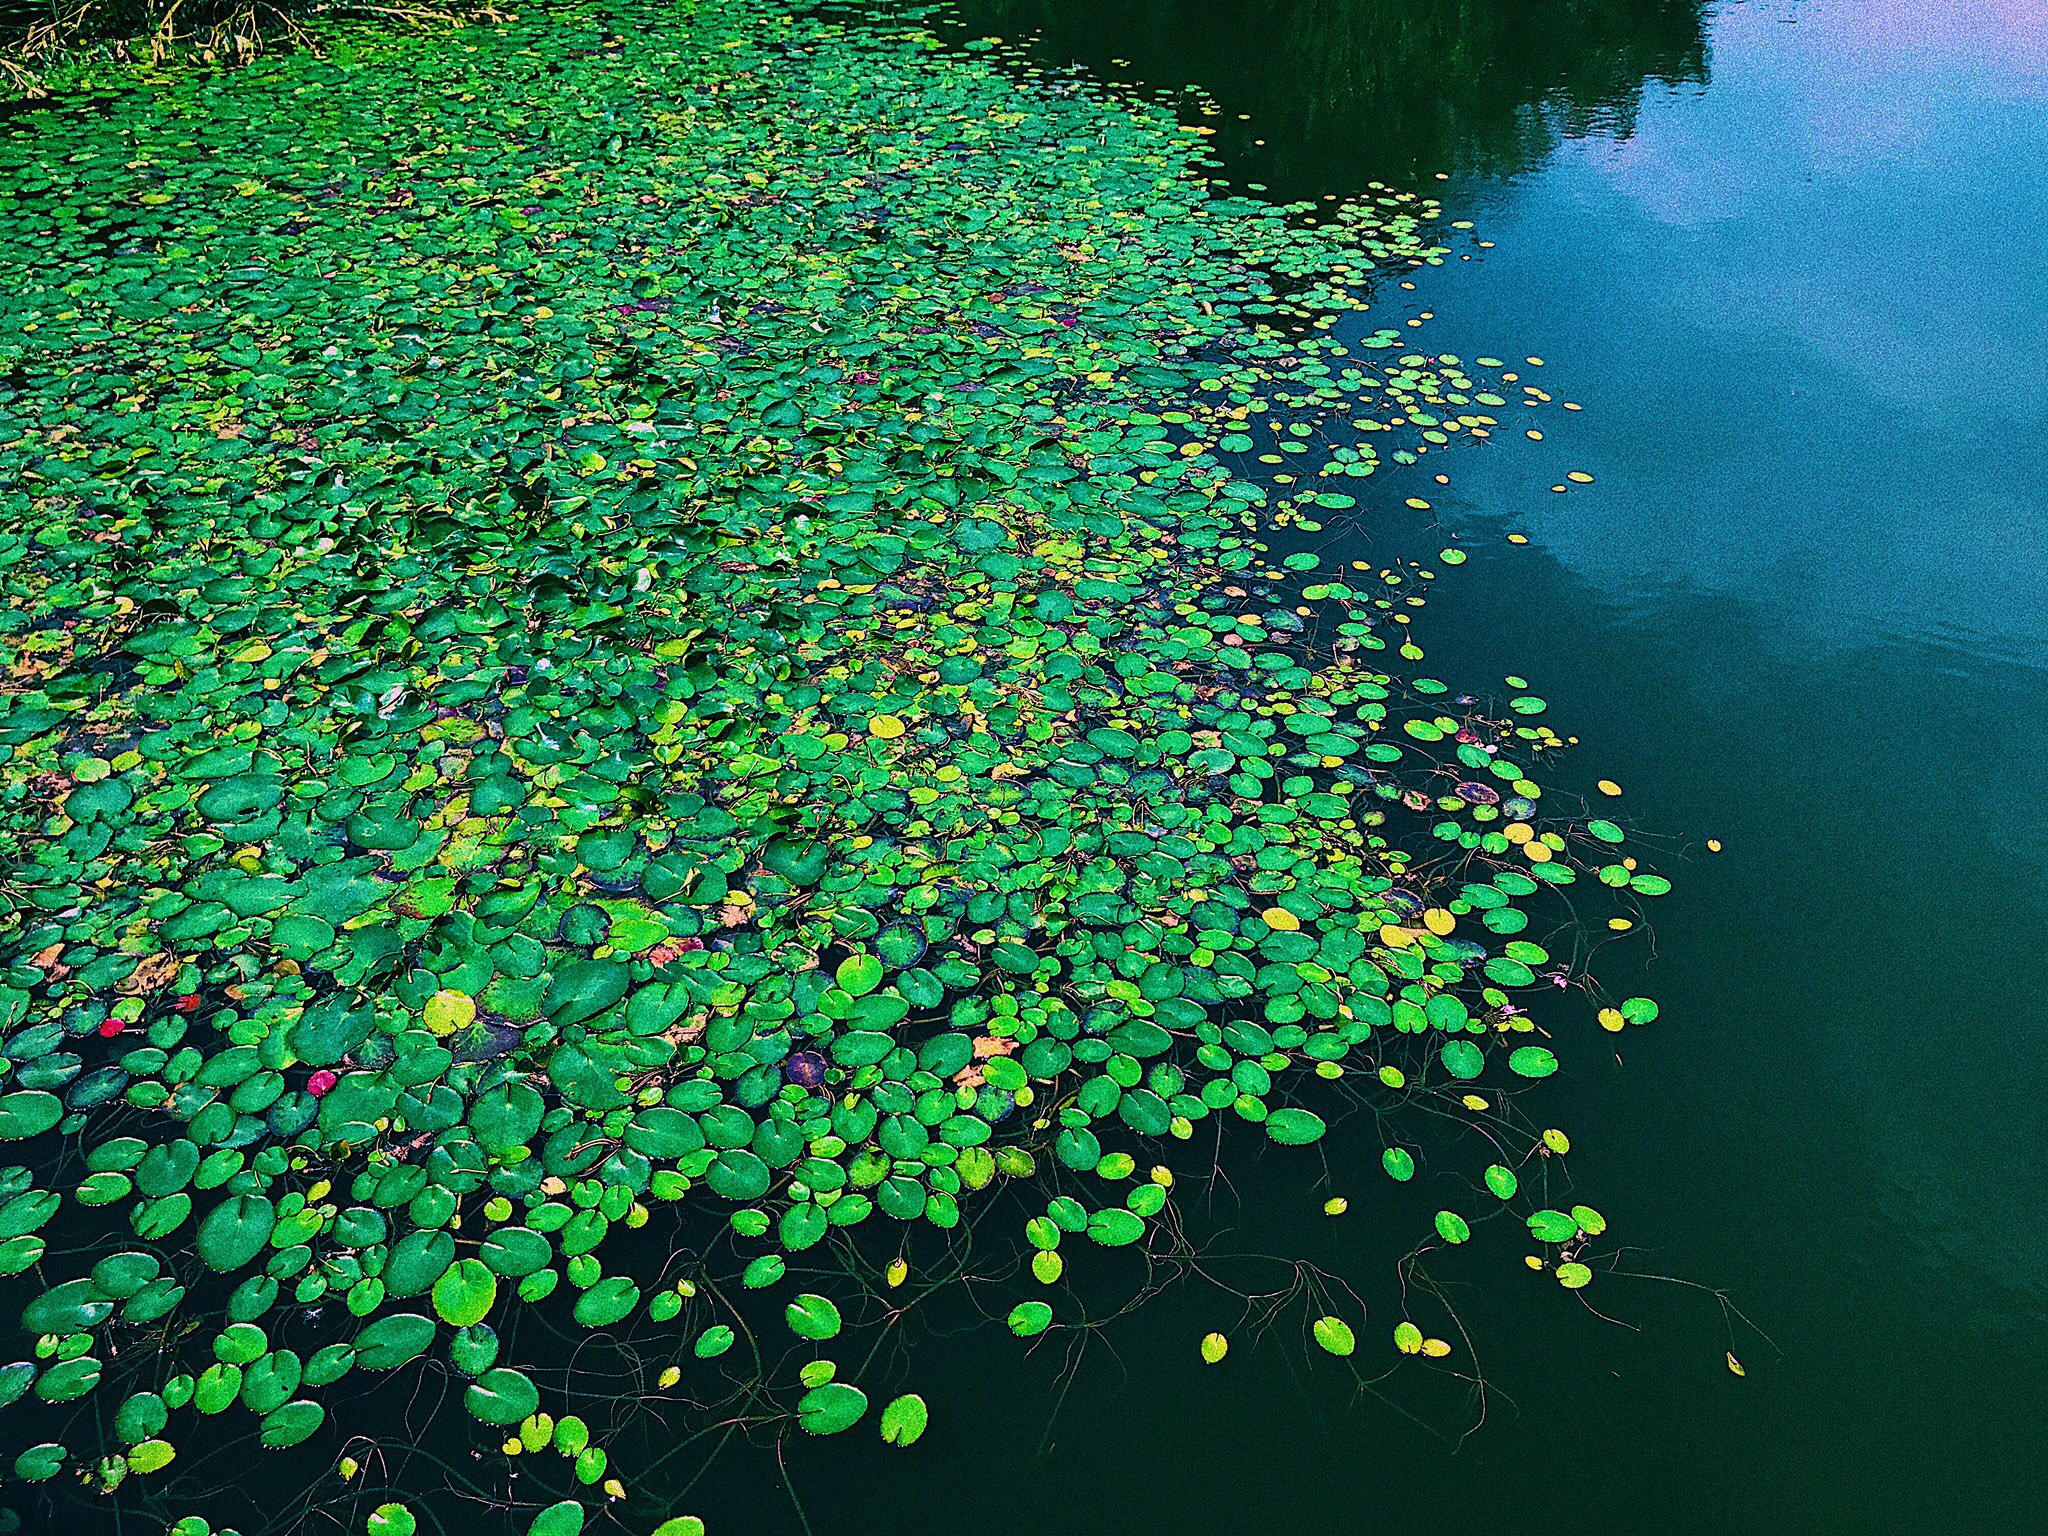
(663, 614)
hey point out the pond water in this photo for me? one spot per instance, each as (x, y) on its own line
(1780, 573)
(1790, 258)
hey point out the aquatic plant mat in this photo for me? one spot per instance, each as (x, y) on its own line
(655, 660)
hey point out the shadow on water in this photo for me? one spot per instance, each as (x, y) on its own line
(1338, 92)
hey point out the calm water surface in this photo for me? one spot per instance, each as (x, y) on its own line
(1792, 258)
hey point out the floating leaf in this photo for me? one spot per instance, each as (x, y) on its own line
(831, 1408)
(448, 1010)
(501, 1396)
(150, 1456)
(1335, 1335)
(713, 1342)
(1553, 1227)
(27, 1114)
(859, 975)
(560, 1519)
(1115, 1228)
(235, 1231)
(607, 1302)
(1462, 1059)
(813, 1317)
(904, 1420)
(1028, 1318)
(1294, 1127)
(465, 1293)
(291, 1423)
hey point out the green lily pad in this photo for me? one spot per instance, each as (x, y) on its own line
(831, 1408)
(904, 1420)
(813, 1317)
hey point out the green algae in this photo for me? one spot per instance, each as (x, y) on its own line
(666, 618)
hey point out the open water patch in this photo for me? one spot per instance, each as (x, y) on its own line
(658, 660)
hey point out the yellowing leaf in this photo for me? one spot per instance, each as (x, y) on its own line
(1334, 1335)
(886, 727)
(1281, 919)
(448, 1010)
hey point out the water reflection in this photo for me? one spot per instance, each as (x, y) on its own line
(1804, 610)
(1345, 91)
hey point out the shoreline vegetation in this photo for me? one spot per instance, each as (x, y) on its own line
(659, 658)
(43, 44)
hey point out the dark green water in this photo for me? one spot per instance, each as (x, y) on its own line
(1793, 260)
(1790, 258)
